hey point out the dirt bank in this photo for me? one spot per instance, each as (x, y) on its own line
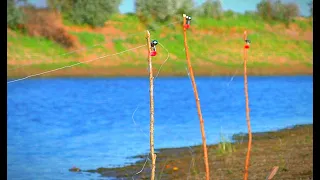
(165, 71)
(290, 149)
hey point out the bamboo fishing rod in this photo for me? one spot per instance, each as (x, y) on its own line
(153, 156)
(186, 25)
(245, 58)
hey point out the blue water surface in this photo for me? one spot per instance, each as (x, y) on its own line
(54, 124)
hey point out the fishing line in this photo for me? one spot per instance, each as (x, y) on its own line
(68, 66)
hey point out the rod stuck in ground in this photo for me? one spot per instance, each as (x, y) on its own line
(245, 59)
(153, 156)
(186, 25)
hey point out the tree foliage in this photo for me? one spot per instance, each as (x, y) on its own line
(60, 5)
(311, 8)
(94, 13)
(14, 14)
(185, 7)
(277, 10)
(161, 10)
(264, 9)
(211, 8)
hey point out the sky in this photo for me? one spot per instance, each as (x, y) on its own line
(235, 5)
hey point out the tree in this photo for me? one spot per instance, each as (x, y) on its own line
(94, 13)
(185, 7)
(161, 10)
(158, 10)
(212, 8)
(291, 10)
(311, 8)
(278, 11)
(264, 9)
(60, 5)
(14, 14)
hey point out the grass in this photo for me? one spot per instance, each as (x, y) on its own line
(20, 44)
(46, 66)
(239, 22)
(211, 43)
(118, 45)
(127, 23)
(225, 147)
(89, 39)
(304, 24)
(93, 41)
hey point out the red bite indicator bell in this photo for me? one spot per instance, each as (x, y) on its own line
(188, 22)
(153, 53)
(247, 45)
(153, 48)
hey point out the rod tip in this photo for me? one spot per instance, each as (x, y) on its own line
(245, 35)
(184, 15)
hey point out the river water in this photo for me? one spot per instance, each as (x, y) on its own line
(54, 124)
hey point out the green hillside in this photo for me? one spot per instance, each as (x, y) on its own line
(215, 47)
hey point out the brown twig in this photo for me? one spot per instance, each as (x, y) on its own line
(153, 156)
(205, 152)
(272, 173)
(245, 54)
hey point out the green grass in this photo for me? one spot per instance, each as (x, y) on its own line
(259, 64)
(89, 39)
(49, 66)
(94, 42)
(127, 23)
(303, 24)
(21, 44)
(118, 45)
(224, 147)
(240, 21)
(222, 47)
(133, 40)
(308, 64)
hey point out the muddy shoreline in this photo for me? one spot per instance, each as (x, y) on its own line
(291, 149)
(165, 72)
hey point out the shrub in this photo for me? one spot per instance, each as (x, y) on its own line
(43, 23)
(277, 10)
(230, 14)
(86, 12)
(212, 9)
(185, 7)
(14, 15)
(264, 9)
(311, 8)
(161, 10)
